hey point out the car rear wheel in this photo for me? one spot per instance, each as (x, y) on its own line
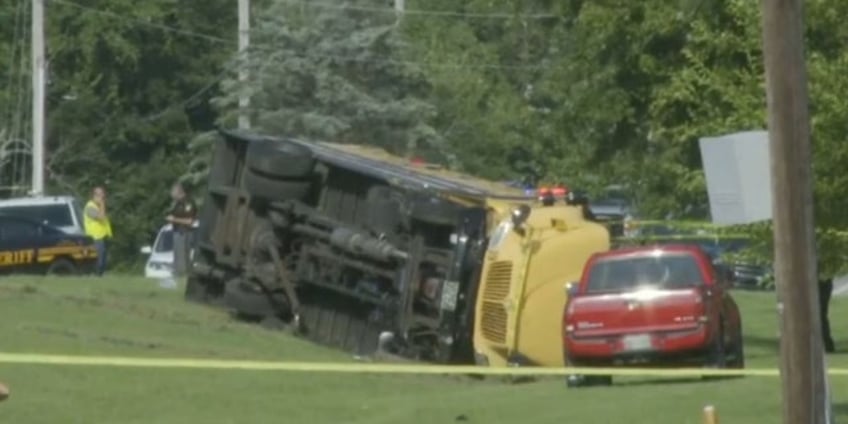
(579, 380)
(576, 381)
(62, 267)
(716, 353)
(737, 360)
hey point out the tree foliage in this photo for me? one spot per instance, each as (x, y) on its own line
(118, 84)
(335, 74)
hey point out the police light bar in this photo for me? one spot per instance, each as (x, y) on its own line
(548, 195)
(552, 191)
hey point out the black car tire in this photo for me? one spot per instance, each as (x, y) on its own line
(738, 352)
(62, 266)
(717, 353)
(575, 381)
(579, 380)
(281, 160)
(273, 190)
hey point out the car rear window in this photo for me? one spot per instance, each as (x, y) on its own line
(56, 215)
(668, 271)
(165, 242)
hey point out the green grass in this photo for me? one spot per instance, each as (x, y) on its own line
(136, 317)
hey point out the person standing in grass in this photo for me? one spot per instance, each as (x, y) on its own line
(825, 293)
(98, 226)
(182, 216)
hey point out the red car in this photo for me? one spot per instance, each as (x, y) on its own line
(660, 305)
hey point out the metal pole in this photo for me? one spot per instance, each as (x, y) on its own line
(243, 43)
(39, 71)
(802, 369)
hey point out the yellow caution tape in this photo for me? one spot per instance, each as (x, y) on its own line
(376, 368)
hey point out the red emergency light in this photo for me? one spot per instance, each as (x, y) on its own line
(548, 195)
(555, 191)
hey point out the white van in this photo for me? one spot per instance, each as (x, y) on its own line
(62, 212)
(160, 261)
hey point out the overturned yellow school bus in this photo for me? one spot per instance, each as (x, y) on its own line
(364, 251)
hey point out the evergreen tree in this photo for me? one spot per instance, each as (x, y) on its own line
(335, 74)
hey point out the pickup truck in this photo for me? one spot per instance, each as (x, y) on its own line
(661, 305)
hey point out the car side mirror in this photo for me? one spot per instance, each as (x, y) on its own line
(146, 250)
(571, 288)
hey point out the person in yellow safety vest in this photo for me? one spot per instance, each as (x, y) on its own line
(97, 226)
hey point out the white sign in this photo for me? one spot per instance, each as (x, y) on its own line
(738, 175)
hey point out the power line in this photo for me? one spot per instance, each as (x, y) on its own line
(267, 48)
(388, 61)
(223, 74)
(418, 12)
(145, 22)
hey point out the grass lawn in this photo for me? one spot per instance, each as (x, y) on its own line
(135, 317)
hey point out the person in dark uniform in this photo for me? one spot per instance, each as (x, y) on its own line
(825, 292)
(182, 217)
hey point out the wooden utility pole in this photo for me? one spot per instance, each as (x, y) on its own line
(39, 82)
(243, 43)
(801, 354)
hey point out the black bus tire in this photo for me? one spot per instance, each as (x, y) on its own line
(272, 190)
(281, 160)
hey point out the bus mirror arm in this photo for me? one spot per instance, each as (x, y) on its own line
(519, 217)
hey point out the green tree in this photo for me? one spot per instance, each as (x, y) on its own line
(334, 74)
(120, 75)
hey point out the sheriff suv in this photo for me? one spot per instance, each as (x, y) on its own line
(660, 305)
(30, 247)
